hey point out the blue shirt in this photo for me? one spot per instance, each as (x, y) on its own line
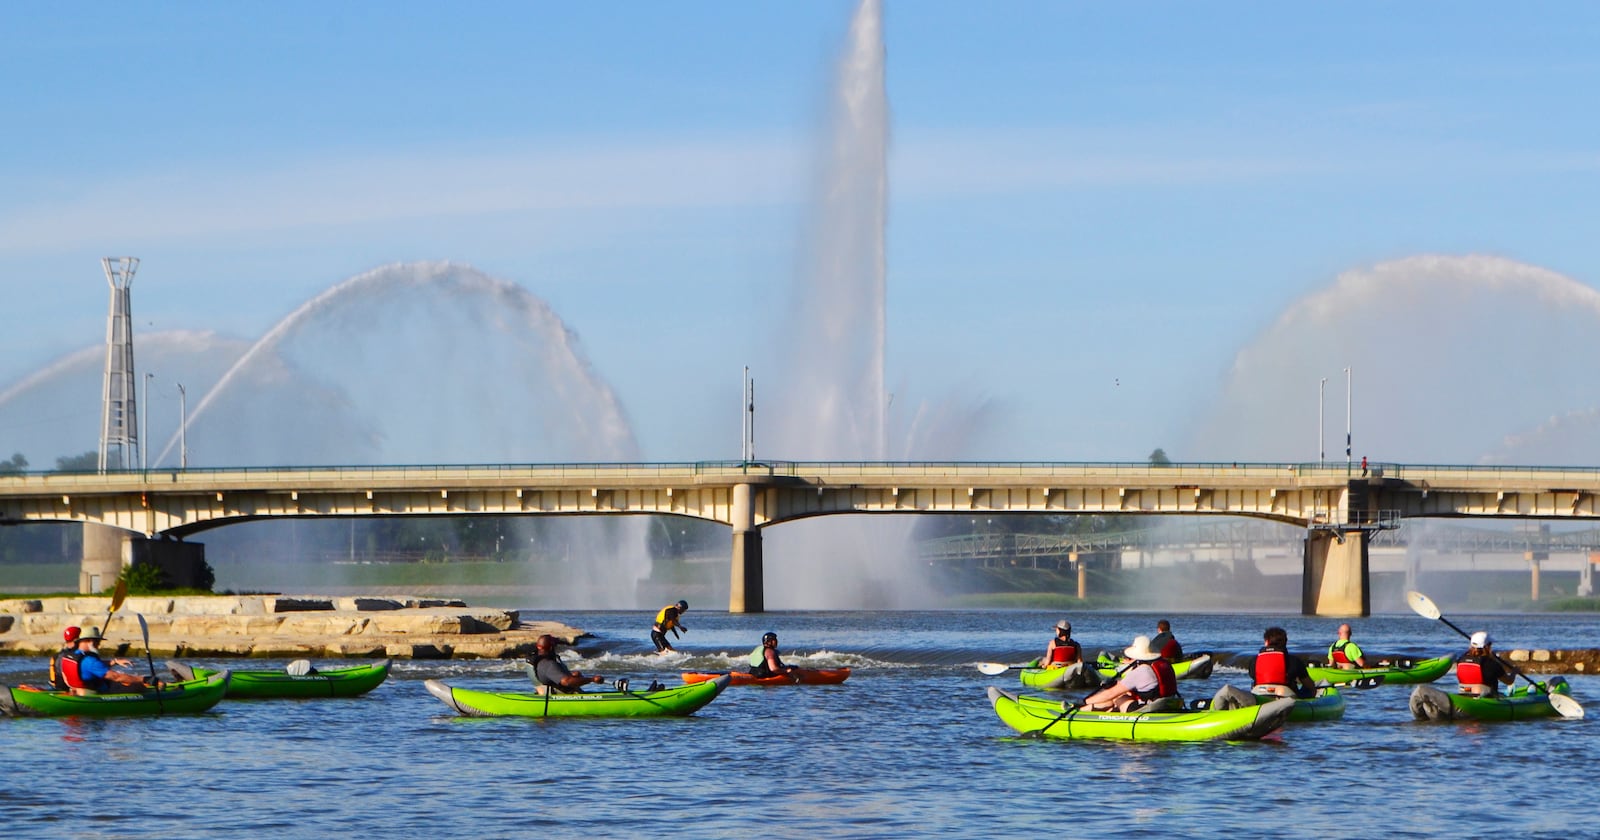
(92, 670)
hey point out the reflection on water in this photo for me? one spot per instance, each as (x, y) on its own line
(907, 746)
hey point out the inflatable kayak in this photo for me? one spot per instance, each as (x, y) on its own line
(1195, 667)
(1328, 704)
(172, 699)
(1417, 671)
(800, 676)
(676, 701)
(334, 682)
(1049, 719)
(1066, 676)
(1520, 703)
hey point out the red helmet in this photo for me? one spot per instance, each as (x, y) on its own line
(70, 634)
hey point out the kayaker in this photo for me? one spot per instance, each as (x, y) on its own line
(552, 673)
(1479, 671)
(1148, 685)
(670, 617)
(764, 660)
(84, 669)
(1344, 653)
(1062, 650)
(69, 637)
(1277, 671)
(1165, 643)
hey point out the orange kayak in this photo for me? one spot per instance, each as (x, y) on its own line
(801, 676)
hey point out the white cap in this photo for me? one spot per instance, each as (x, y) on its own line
(1481, 639)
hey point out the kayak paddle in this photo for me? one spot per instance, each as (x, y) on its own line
(997, 668)
(155, 684)
(116, 602)
(1424, 606)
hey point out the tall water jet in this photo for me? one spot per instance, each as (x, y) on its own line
(832, 402)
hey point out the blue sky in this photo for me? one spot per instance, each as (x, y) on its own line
(1095, 209)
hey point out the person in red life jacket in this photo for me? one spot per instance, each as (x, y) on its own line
(1479, 671)
(1165, 643)
(84, 669)
(1148, 684)
(1062, 650)
(1277, 671)
(1344, 653)
(69, 637)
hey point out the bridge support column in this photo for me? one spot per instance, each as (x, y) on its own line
(1335, 581)
(1533, 558)
(745, 586)
(105, 552)
(1083, 576)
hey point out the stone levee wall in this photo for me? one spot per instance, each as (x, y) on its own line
(269, 626)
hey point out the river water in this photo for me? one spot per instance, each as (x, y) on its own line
(908, 746)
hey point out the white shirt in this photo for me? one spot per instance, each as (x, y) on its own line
(1141, 679)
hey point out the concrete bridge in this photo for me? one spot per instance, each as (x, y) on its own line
(135, 516)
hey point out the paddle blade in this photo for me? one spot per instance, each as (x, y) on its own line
(119, 595)
(1566, 706)
(1422, 605)
(993, 668)
(144, 630)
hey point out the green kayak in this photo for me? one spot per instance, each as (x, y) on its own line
(1068, 676)
(1196, 667)
(1328, 704)
(173, 699)
(334, 682)
(1520, 703)
(1418, 671)
(676, 701)
(1040, 715)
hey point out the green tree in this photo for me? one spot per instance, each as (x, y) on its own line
(13, 465)
(87, 462)
(1159, 458)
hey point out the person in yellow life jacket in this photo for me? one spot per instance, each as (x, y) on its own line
(1062, 650)
(1479, 671)
(764, 660)
(1344, 653)
(669, 618)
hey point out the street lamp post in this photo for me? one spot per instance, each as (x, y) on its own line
(1322, 417)
(1347, 421)
(144, 415)
(183, 428)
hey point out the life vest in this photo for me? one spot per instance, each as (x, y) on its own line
(1469, 672)
(70, 676)
(758, 657)
(667, 618)
(1336, 654)
(543, 684)
(1065, 653)
(58, 680)
(1272, 667)
(1171, 650)
(1166, 681)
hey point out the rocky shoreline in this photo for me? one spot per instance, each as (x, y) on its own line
(281, 626)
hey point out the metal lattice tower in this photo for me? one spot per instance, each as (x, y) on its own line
(119, 418)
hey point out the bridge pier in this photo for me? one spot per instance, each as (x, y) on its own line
(745, 592)
(1334, 581)
(107, 550)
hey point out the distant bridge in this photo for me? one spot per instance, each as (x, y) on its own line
(1340, 511)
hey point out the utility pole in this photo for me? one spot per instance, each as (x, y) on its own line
(1347, 462)
(183, 428)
